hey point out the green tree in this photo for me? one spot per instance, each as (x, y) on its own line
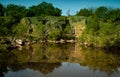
(101, 12)
(103, 28)
(57, 12)
(16, 11)
(44, 8)
(31, 11)
(114, 15)
(6, 25)
(84, 12)
(2, 10)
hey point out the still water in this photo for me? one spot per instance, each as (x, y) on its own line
(59, 60)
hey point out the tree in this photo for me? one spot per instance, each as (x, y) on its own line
(102, 28)
(57, 12)
(114, 15)
(1, 10)
(44, 8)
(101, 12)
(6, 24)
(84, 12)
(16, 11)
(31, 11)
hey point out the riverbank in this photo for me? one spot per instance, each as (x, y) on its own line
(12, 43)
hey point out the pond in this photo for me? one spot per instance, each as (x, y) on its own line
(59, 60)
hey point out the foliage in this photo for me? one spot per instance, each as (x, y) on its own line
(84, 12)
(44, 28)
(102, 31)
(55, 34)
(101, 12)
(2, 48)
(114, 16)
(2, 10)
(20, 30)
(16, 11)
(40, 31)
(12, 14)
(43, 8)
(6, 24)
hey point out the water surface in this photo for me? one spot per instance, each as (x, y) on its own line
(59, 60)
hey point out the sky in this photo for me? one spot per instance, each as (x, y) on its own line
(72, 6)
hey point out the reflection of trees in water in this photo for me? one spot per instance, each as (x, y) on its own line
(47, 57)
(10, 60)
(43, 53)
(42, 57)
(6, 59)
(49, 52)
(30, 53)
(97, 59)
(3, 68)
(44, 68)
(59, 52)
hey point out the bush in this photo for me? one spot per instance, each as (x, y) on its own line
(55, 34)
(101, 34)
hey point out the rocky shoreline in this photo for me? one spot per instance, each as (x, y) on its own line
(19, 43)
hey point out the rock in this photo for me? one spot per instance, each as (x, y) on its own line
(70, 41)
(62, 41)
(18, 41)
(86, 43)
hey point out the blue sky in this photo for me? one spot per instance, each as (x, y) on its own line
(72, 5)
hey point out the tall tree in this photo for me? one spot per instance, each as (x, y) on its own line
(1, 10)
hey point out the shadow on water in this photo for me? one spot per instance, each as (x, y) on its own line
(50, 59)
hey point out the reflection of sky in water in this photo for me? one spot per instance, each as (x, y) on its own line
(23, 73)
(66, 70)
(119, 69)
